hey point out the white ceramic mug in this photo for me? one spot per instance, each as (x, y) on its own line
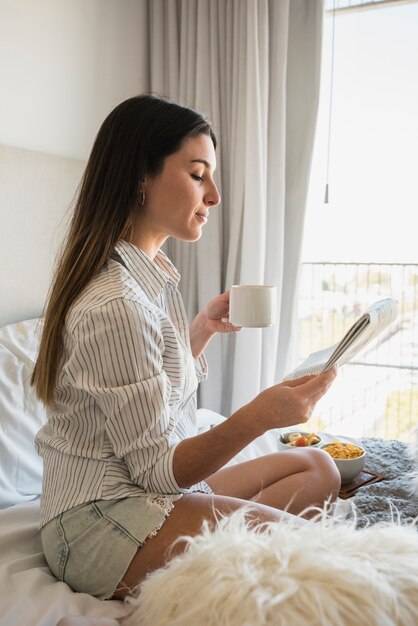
(252, 306)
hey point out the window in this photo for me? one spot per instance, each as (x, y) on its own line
(363, 246)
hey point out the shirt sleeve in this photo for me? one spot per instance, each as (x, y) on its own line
(201, 368)
(117, 360)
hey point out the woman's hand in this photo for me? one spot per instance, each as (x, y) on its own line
(290, 402)
(216, 314)
(212, 319)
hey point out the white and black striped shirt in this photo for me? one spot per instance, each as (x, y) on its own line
(126, 388)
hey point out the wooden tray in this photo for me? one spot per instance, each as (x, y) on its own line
(364, 479)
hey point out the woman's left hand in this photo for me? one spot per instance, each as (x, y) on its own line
(216, 314)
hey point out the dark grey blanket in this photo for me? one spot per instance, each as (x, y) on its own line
(373, 503)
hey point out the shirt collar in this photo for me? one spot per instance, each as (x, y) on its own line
(152, 275)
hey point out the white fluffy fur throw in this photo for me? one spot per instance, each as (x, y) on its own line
(320, 574)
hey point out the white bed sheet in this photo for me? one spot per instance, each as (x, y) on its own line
(29, 593)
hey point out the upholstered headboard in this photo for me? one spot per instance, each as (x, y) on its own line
(36, 190)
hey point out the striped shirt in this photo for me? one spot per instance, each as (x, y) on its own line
(125, 393)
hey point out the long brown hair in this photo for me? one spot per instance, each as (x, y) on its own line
(132, 143)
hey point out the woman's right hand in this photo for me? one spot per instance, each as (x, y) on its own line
(290, 402)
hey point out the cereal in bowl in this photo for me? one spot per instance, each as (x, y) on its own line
(339, 450)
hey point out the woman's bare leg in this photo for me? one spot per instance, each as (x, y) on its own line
(290, 480)
(186, 518)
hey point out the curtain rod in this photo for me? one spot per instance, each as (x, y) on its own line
(368, 5)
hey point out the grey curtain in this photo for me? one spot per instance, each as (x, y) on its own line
(253, 67)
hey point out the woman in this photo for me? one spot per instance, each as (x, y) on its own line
(125, 472)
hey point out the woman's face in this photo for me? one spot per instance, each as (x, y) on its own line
(179, 198)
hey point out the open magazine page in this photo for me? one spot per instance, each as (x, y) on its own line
(361, 333)
(314, 364)
(378, 317)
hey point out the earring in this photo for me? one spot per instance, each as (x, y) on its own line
(141, 198)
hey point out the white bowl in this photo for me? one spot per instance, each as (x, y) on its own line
(349, 468)
(284, 439)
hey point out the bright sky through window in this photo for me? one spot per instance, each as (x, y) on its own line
(373, 177)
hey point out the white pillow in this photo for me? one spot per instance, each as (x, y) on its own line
(21, 414)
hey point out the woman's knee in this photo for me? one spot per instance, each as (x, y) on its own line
(324, 475)
(325, 470)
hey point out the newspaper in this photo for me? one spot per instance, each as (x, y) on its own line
(361, 333)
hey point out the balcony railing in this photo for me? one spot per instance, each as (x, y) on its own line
(377, 394)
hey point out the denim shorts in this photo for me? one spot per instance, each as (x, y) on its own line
(91, 546)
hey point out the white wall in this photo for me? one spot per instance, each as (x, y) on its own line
(64, 64)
